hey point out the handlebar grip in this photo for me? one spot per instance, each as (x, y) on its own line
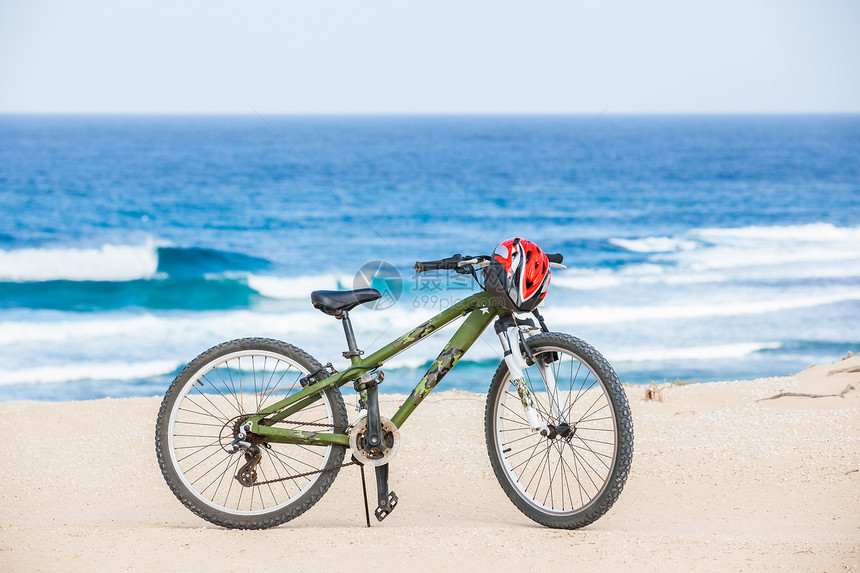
(421, 266)
(448, 263)
(556, 258)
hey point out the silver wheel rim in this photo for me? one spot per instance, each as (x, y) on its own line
(558, 477)
(198, 456)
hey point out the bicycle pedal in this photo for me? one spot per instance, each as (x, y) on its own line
(383, 512)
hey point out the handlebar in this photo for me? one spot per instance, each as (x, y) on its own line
(448, 263)
(455, 262)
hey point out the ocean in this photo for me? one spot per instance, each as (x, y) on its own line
(699, 248)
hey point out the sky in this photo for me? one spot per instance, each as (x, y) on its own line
(473, 56)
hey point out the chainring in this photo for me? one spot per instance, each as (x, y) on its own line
(373, 456)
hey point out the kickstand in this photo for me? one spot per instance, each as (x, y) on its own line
(364, 494)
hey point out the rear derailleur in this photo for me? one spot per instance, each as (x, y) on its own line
(243, 441)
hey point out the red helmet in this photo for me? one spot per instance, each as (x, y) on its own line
(518, 275)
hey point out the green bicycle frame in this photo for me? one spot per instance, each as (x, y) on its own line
(466, 335)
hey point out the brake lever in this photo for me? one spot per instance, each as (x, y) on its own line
(479, 262)
(467, 266)
(465, 262)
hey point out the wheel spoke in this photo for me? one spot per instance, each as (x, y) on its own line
(564, 474)
(522, 450)
(268, 485)
(525, 426)
(201, 448)
(583, 391)
(221, 417)
(233, 386)
(256, 396)
(313, 467)
(225, 416)
(509, 442)
(584, 462)
(514, 413)
(217, 477)
(538, 468)
(287, 464)
(202, 424)
(527, 460)
(588, 410)
(277, 384)
(241, 390)
(199, 424)
(230, 486)
(218, 463)
(536, 397)
(218, 390)
(311, 450)
(575, 472)
(597, 455)
(270, 388)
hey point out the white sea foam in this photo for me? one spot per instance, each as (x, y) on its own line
(814, 251)
(107, 263)
(615, 314)
(813, 232)
(79, 339)
(585, 279)
(176, 334)
(655, 244)
(714, 352)
(769, 246)
(644, 274)
(120, 328)
(296, 287)
(88, 371)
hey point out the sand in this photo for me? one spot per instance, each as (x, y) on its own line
(720, 481)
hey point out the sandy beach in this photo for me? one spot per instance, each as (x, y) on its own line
(720, 481)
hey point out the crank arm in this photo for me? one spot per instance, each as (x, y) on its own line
(374, 435)
(387, 500)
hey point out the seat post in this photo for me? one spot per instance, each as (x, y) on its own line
(353, 353)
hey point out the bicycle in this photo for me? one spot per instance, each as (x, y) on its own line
(253, 432)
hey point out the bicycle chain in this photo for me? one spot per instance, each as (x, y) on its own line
(312, 424)
(351, 463)
(314, 472)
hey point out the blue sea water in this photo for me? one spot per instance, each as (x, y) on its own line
(700, 247)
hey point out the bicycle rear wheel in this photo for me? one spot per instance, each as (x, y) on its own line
(201, 415)
(572, 477)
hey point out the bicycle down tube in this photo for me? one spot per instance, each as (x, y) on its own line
(481, 309)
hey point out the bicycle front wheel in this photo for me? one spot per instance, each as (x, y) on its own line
(202, 413)
(572, 476)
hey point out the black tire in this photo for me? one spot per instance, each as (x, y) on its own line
(599, 448)
(209, 396)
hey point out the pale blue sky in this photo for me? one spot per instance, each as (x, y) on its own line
(429, 57)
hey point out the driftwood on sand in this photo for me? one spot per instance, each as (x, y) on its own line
(847, 389)
(844, 370)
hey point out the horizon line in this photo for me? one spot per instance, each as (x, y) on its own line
(425, 113)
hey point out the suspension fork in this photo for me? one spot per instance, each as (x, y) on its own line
(548, 375)
(509, 336)
(544, 364)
